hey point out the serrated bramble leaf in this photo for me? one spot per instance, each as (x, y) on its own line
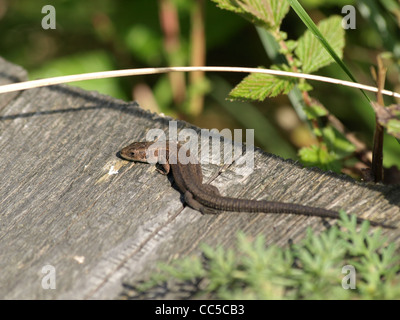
(268, 13)
(303, 15)
(311, 52)
(229, 5)
(258, 86)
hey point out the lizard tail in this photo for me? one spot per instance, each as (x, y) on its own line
(243, 205)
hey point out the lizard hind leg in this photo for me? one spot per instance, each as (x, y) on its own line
(211, 189)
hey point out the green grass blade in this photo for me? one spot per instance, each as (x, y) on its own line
(313, 28)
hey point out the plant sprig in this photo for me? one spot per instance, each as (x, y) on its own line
(311, 269)
(318, 47)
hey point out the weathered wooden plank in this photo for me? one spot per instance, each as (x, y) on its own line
(10, 73)
(62, 205)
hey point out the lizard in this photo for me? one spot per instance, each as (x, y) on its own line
(206, 198)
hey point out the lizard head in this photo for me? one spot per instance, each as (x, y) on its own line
(141, 151)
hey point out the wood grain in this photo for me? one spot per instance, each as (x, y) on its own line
(63, 204)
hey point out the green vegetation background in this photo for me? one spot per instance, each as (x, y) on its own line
(109, 35)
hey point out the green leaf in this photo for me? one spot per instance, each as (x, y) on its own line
(296, 6)
(334, 148)
(258, 86)
(316, 156)
(337, 142)
(144, 44)
(268, 13)
(304, 86)
(291, 45)
(249, 116)
(315, 111)
(310, 50)
(393, 128)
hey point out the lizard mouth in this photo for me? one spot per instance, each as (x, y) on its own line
(118, 154)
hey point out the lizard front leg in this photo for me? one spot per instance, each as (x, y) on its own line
(165, 168)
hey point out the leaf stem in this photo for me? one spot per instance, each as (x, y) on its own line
(377, 150)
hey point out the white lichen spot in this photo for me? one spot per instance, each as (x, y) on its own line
(79, 259)
(112, 171)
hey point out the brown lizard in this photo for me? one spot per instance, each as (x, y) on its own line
(205, 197)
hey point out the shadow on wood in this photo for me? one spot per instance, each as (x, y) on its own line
(69, 202)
